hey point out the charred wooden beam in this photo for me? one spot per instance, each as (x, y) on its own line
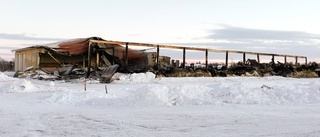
(84, 62)
(227, 58)
(306, 60)
(113, 56)
(272, 59)
(258, 58)
(184, 58)
(106, 61)
(206, 58)
(89, 60)
(285, 59)
(54, 58)
(105, 50)
(158, 53)
(244, 58)
(126, 56)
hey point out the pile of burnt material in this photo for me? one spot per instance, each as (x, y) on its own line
(184, 72)
(249, 68)
(174, 69)
(253, 68)
(69, 72)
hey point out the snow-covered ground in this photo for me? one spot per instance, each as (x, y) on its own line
(142, 105)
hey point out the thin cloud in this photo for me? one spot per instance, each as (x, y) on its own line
(238, 33)
(25, 37)
(7, 48)
(6, 54)
(2, 47)
(135, 35)
(277, 48)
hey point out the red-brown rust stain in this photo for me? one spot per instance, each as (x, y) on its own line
(74, 47)
(81, 46)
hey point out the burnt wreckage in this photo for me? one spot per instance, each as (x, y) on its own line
(83, 58)
(95, 57)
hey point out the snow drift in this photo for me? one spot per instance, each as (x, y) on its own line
(146, 90)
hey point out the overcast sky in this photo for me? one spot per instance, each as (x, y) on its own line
(271, 26)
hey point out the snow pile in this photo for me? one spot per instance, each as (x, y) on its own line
(21, 86)
(5, 78)
(134, 78)
(144, 90)
(218, 91)
(271, 93)
(14, 85)
(172, 95)
(26, 86)
(191, 95)
(8, 73)
(198, 91)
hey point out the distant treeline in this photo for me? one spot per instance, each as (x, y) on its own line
(6, 65)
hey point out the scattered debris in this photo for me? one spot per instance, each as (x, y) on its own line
(169, 69)
(266, 87)
(107, 73)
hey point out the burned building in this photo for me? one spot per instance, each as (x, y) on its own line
(82, 53)
(94, 56)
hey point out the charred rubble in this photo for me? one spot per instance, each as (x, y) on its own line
(95, 58)
(166, 69)
(251, 68)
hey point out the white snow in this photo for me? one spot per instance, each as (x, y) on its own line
(142, 105)
(134, 78)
